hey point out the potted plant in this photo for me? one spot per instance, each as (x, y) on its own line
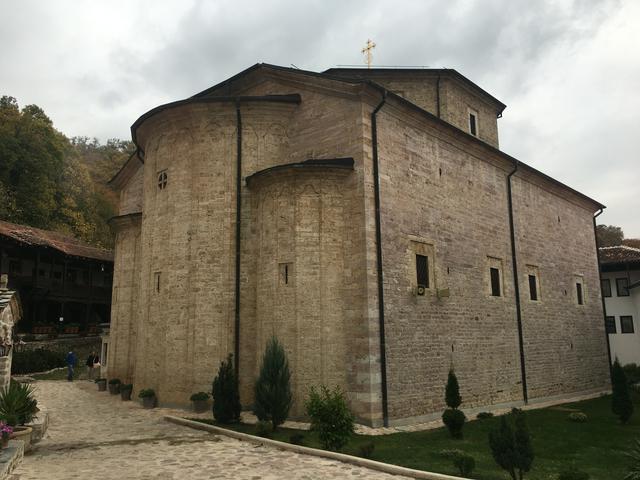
(102, 384)
(5, 433)
(125, 391)
(148, 397)
(200, 402)
(114, 386)
(18, 407)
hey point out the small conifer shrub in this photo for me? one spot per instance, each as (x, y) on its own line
(226, 398)
(452, 417)
(273, 388)
(621, 404)
(511, 447)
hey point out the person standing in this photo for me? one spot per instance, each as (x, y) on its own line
(71, 363)
(92, 359)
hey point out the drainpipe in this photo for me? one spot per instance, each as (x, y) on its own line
(238, 219)
(604, 305)
(516, 284)
(376, 194)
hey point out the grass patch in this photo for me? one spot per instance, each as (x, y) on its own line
(596, 447)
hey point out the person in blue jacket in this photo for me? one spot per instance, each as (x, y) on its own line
(71, 363)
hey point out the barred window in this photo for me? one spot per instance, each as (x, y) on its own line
(626, 324)
(162, 179)
(605, 285)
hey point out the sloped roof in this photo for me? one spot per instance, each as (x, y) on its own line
(65, 244)
(224, 91)
(372, 73)
(619, 254)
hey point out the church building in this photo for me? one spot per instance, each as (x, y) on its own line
(368, 219)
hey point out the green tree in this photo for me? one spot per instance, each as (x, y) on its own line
(511, 450)
(621, 404)
(330, 417)
(50, 182)
(273, 389)
(609, 235)
(226, 399)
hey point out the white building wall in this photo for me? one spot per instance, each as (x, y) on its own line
(624, 346)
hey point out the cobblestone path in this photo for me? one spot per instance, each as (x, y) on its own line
(95, 435)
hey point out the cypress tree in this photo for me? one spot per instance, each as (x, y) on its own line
(452, 391)
(621, 404)
(226, 398)
(273, 388)
(522, 443)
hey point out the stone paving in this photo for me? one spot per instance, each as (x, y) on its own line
(95, 435)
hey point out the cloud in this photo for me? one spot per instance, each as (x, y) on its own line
(563, 67)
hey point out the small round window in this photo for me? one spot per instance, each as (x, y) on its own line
(162, 180)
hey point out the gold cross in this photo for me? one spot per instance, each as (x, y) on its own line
(367, 51)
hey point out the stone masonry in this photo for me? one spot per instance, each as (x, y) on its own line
(308, 270)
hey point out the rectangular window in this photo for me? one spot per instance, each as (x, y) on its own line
(422, 270)
(495, 282)
(605, 284)
(610, 324)
(533, 287)
(626, 324)
(622, 286)
(579, 294)
(473, 124)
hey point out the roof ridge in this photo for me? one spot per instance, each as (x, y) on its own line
(626, 247)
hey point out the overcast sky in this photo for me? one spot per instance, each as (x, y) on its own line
(568, 70)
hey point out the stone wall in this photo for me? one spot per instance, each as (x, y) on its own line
(441, 197)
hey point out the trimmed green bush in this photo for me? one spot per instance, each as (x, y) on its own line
(366, 450)
(454, 420)
(226, 397)
(37, 360)
(463, 462)
(199, 396)
(621, 404)
(578, 417)
(273, 388)
(146, 392)
(296, 439)
(330, 417)
(264, 428)
(484, 415)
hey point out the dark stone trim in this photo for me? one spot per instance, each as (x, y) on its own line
(333, 163)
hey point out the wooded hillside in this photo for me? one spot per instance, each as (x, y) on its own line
(50, 181)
